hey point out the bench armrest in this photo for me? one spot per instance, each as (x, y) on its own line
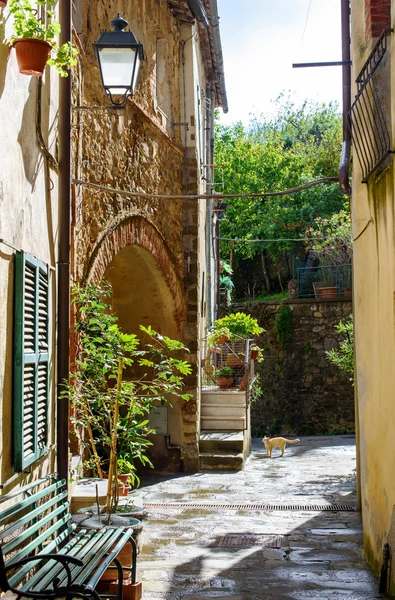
(62, 558)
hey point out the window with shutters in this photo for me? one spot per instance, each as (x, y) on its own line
(31, 359)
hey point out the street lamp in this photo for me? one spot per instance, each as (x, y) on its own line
(119, 55)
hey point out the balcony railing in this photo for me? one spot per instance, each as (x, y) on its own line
(370, 112)
(325, 282)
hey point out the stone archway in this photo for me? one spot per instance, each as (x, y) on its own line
(134, 247)
(146, 289)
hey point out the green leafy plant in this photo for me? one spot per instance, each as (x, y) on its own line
(239, 325)
(27, 24)
(118, 379)
(284, 325)
(224, 372)
(343, 356)
(219, 336)
(332, 240)
(257, 352)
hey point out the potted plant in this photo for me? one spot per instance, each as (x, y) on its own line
(224, 378)
(256, 353)
(218, 337)
(332, 241)
(111, 409)
(34, 40)
(240, 325)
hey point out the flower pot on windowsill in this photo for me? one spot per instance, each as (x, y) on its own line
(32, 55)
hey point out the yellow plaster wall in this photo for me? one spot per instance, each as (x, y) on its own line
(374, 306)
(28, 221)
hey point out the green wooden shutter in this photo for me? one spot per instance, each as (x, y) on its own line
(31, 359)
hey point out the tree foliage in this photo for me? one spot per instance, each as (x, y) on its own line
(343, 356)
(300, 144)
(118, 379)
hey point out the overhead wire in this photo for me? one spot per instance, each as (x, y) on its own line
(126, 193)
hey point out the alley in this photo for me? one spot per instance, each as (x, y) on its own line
(303, 552)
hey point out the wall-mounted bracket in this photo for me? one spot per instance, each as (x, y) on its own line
(181, 125)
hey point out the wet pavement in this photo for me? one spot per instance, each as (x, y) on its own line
(266, 532)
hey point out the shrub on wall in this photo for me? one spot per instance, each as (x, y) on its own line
(284, 325)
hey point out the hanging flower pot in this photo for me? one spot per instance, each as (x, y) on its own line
(3, 3)
(32, 55)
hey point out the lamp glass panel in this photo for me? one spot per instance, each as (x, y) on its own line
(117, 68)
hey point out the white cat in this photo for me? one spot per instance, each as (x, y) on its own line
(278, 442)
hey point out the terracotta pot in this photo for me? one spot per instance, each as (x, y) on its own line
(328, 292)
(222, 340)
(32, 56)
(243, 383)
(347, 292)
(254, 354)
(3, 3)
(224, 382)
(130, 591)
(123, 490)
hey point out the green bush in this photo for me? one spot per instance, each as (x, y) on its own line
(284, 325)
(239, 324)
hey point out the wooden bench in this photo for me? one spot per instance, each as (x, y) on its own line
(42, 555)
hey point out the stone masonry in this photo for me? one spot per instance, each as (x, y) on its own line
(138, 149)
(301, 392)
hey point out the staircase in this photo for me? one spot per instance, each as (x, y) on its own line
(224, 439)
(223, 410)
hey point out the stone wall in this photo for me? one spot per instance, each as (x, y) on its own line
(139, 149)
(302, 393)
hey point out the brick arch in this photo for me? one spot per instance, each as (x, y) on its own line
(136, 230)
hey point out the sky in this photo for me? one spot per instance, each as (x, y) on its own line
(260, 41)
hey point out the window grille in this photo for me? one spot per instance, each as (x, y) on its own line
(369, 114)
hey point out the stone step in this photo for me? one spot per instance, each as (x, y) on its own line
(224, 460)
(221, 441)
(220, 410)
(223, 397)
(230, 423)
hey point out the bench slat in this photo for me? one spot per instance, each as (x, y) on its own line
(93, 547)
(30, 486)
(15, 579)
(33, 514)
(123, 537)
(13, 510)
(69, 549)
(25, 551)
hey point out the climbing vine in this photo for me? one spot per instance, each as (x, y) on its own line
(284, 325)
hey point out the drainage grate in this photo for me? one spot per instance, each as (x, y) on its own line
(245, 540)
(290, 507)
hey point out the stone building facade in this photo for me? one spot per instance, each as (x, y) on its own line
(155, 250)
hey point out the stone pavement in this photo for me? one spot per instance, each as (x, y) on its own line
(258, 552)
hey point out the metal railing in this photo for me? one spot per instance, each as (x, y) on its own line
(231, 356)
(334, 281)
(370, 112)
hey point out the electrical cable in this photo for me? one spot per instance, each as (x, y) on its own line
(125, 193)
